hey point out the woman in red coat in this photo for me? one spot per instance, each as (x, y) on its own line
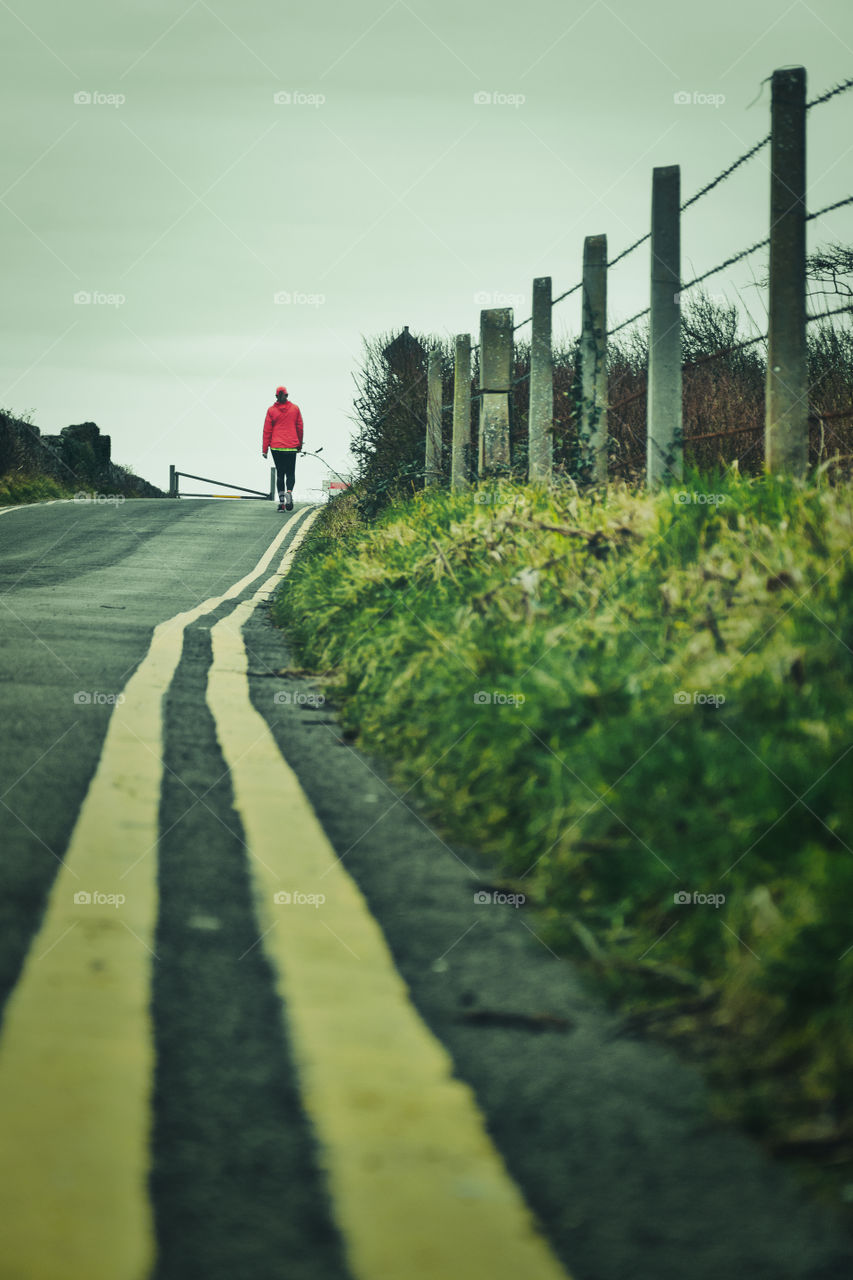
(283, 434)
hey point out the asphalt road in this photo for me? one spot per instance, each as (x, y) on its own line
(252, 1113)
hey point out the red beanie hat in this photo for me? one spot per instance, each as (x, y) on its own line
(284, 389)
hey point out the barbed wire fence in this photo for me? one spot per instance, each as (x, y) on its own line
(787, 411)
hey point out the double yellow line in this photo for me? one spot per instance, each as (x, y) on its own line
(417, 1188)
(76, 1051)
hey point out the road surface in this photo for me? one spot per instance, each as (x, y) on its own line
(255, 1021)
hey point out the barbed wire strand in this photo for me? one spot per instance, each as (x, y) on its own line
(823, 315)
(703, 191)
(747, 155)
(630, 249)
(730, 169)
(635, 395)
(828, 417)
(707, 435)
(716, 355)
(625, 323)
(724, 431)
(567, 293)
(814, 416)
(760, 244)
(726, 351)
(838, 204)
(726, 173)
(830, 93)
(554, 302)
(736, 257)
(694, 364)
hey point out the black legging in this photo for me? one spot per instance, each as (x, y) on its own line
(285, 468)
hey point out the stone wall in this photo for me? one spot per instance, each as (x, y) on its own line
(78, 457)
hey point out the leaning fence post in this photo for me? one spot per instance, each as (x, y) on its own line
(664, 430)
(460, 463)
(540, 418)
(593, 352)
(432, 461)
(495, 371)
(786, 427)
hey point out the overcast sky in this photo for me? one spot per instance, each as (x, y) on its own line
(379, 190)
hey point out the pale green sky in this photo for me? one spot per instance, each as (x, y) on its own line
(381, 194)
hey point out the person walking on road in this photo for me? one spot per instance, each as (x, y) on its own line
(283, 434)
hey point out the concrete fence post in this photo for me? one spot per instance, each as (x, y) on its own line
(540, 419)
(786, 427)
(495, 374)
(460, 463)
(664, 449)
(593, 354)
(432, 461)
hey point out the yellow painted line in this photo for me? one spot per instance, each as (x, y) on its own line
(76, 1054)
(417, 1187)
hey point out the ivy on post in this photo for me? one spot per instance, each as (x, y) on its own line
(460, 458)
(540, 428)
(432, 461)
(593, 354)
(495, 373)
(786, 436)
(664, 436)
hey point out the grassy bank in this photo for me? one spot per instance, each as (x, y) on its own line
(641, 707)
(35, 488)
(16, 489)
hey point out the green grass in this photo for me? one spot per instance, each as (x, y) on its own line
(18, 488)
(603, 792)
(33, 488)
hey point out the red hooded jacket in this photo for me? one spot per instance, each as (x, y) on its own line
(283, 427)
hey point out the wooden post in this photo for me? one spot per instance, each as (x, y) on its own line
(786, 427)
(495, 372)
(173, 484)
(540, 420)
(272, 482)
(460, 466)
(432, 462)
(664, 430)
(593, 352)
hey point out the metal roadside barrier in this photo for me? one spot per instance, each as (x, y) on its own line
(247, 494)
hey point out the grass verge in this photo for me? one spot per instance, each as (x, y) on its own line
(640, 705)
(19, 488)
(16, 489)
